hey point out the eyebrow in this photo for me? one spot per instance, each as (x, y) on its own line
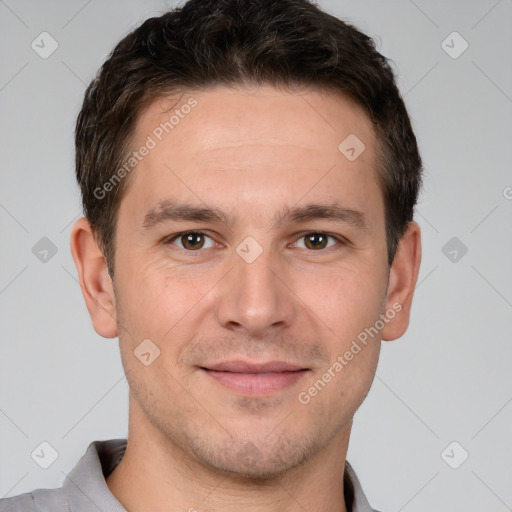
(331, 212)
(167, 210)
(172, 211)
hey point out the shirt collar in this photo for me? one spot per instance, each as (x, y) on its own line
(86, 490)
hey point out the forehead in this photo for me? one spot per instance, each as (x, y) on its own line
(311, 119)
(256, 143)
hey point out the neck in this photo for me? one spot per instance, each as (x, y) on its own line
(155, 472)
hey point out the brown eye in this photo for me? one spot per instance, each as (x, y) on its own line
(316, 241)
(192, 241)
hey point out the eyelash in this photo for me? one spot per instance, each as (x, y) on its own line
(177, 236)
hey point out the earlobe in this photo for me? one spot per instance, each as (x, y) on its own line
(402, 282)
(95, 282)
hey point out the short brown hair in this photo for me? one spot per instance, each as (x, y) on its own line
(282, 43)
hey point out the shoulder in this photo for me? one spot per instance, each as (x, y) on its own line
(20, 503)
(39, 500)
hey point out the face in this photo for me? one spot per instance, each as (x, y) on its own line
(251, 252)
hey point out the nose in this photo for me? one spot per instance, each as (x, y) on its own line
(255, 298)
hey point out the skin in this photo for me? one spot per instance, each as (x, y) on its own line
(249, 152)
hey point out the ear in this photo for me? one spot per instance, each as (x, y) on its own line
(95, 281)
(402, 281)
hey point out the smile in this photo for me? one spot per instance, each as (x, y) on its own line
(255, 383)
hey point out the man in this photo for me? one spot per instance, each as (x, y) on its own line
(249, 174)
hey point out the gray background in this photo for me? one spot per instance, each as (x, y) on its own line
(448, 379)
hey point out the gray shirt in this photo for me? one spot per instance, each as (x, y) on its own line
(85, 489)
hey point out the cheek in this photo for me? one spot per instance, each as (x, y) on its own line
(345, 301)
(159, 298)
(350, 309)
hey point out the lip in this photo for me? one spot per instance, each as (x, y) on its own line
(247, 367)
(255, 379)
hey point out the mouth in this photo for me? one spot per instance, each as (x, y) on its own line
(255, 379)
